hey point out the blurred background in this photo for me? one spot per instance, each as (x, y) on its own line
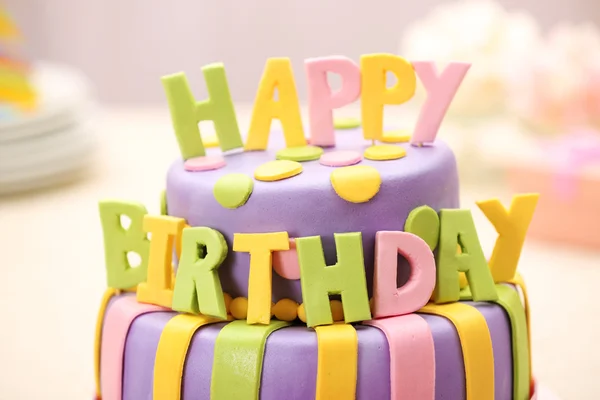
(83, 116)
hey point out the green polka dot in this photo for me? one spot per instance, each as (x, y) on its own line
(424, 222)
(233, 190)
(302, 153)
(346, 123)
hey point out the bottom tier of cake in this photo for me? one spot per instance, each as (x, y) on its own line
(147, 352)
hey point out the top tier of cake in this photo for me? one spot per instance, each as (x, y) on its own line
(307, 204)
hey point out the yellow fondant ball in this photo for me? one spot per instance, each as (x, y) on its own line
(286, 310)
(301, 313)
(337, 310)
(239, 307)
(356, 183)
(227, 298)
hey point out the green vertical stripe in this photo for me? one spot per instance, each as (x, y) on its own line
(509, 299)
(237, 363)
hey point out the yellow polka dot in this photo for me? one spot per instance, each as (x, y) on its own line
(286, 310)
(277, 170)
(337, 310)
(301, 313)
(210, 139)
(227, 298)
(396, 136)
(239, 307)
(384, 152)
(357, 183)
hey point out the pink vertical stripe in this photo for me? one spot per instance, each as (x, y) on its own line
(117, 321)
(412, 356)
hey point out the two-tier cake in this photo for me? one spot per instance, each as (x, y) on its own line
(314, 262)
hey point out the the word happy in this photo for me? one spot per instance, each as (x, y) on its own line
(367, 81)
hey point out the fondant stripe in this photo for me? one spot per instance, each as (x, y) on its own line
(509, 299)
(108, 294)
(116, 326)
(337, 362)
(476, 345)
(520, 282)
(171, 353)
(238, 359)
(412, 356)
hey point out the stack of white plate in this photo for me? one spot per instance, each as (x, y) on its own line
(53, 144)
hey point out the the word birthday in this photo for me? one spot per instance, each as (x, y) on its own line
(367, 81)
(200, 251)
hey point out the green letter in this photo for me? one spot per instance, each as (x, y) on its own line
(186, 113)
(347, 278)
(197, 286)
(119, 241)
(458, 229)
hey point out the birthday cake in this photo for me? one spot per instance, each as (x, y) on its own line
(335, 264)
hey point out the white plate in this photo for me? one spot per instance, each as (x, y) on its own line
(64, 101)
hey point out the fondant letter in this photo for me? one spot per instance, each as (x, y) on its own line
(375, 93)
(321, 101)
(186, 113)
(440, 92)
(119, 241)
(388, 299)
(197, 287)
(260, 246)
(511, 226)
(457, 228)
(278, 76)
(158, 286)
(347, 278)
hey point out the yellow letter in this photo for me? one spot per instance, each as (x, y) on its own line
(158, 286)
(278, 76)
(260, 246)
(512, 227)
(375, 93)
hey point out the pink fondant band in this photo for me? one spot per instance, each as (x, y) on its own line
(412, 356)
(116, 326)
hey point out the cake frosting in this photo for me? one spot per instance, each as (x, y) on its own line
(333, 266)
(308, 205)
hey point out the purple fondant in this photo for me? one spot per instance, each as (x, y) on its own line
(198, 368)
(373, 381)
(290, 364)
(140, 351)
(449, 366)
(290, 360)
(307, 205)
(497, 321)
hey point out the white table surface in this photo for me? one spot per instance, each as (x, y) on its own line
(52, 272)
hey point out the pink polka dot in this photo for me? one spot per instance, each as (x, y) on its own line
(205, 163)
(285, 263)
(340, 158)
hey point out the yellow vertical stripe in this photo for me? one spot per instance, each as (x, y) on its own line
(337, 365)
(172, 351)
(520, 282)
(476, 345)
(108, 294)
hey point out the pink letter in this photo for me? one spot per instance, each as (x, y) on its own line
(440, 92)
(321, 101)
(388, 299)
